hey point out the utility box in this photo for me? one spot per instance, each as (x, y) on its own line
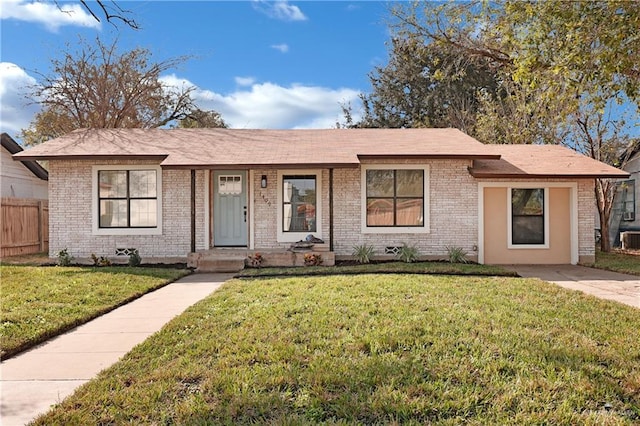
(630, 240)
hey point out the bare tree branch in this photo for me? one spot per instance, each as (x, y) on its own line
(120, 14)
(98, 87)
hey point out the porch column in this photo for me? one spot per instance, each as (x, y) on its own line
(331, 209)
(193, 211)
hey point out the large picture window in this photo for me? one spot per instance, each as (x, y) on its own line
(395, 198)
(127, 198)
(527, 216)
(299, 203)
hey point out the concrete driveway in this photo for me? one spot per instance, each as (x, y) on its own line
(622, 288)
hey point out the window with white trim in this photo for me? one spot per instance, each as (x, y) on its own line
(127, 200)
(395, 198)
(527, 216)
(625, 200)
(299, 204)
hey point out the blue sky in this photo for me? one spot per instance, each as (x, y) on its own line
(275, 64)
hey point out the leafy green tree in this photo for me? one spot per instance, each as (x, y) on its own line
(563, 67)
(98, 87)
(423, 85)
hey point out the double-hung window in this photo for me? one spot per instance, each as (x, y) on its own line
(527, 216)
(626, 200)
(127, 200)
(299, 204)
(394, 197)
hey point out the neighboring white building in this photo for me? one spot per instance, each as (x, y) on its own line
(21, 179)
(625, 214)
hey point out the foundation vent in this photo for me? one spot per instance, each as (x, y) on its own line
(125, 251)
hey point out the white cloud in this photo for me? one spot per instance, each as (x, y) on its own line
(284, 48)
(271, 106)
(47, 13)
(245, 81)
(279, 9)
(15, 111)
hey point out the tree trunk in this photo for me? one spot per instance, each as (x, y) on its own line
(605, 242)
(604, 201)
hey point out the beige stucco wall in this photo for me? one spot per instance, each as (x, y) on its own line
(70, 223)
(496, 250)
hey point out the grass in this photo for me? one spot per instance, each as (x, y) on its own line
(383, 268)
(40, 302)
(377, 349)
(33, 259)
(628, 263)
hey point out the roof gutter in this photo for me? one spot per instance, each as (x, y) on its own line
(515, 176)
(32, 157)
(429, 156)
(249, 166)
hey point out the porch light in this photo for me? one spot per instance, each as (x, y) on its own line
(263, 181)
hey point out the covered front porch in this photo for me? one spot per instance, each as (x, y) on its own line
(260, 216)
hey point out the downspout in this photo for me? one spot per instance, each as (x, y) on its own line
(193, 211)
(331, 210)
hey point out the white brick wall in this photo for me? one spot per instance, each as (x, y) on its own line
(265, 206)
(452, 204)
(586, 219)
(70, 213)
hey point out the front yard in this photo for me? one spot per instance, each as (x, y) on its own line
(40, 302)
(618, 261)
(367, 349)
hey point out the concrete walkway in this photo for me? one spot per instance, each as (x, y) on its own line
(622, 288)
(43, 376)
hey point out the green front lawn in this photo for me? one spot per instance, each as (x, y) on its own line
(628, 263)
(381, 349)
(383, 268)
(40, 302)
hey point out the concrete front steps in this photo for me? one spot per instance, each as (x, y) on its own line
(233, 260)
(218, 260)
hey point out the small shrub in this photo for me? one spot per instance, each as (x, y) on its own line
(104, 261)
(134, 258)
(255, 260)
(100, 261)
(457, 255)
(363, 253)
(64, 258)
(312, 259)
(408, 254)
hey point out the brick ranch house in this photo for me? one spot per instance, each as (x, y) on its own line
(211, 194)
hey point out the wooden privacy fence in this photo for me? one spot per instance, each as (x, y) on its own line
(25, 226)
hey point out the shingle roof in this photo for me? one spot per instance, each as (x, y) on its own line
(248, 148)
(189, 148)
(529, 161)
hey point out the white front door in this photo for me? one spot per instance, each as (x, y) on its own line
(230, 208)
